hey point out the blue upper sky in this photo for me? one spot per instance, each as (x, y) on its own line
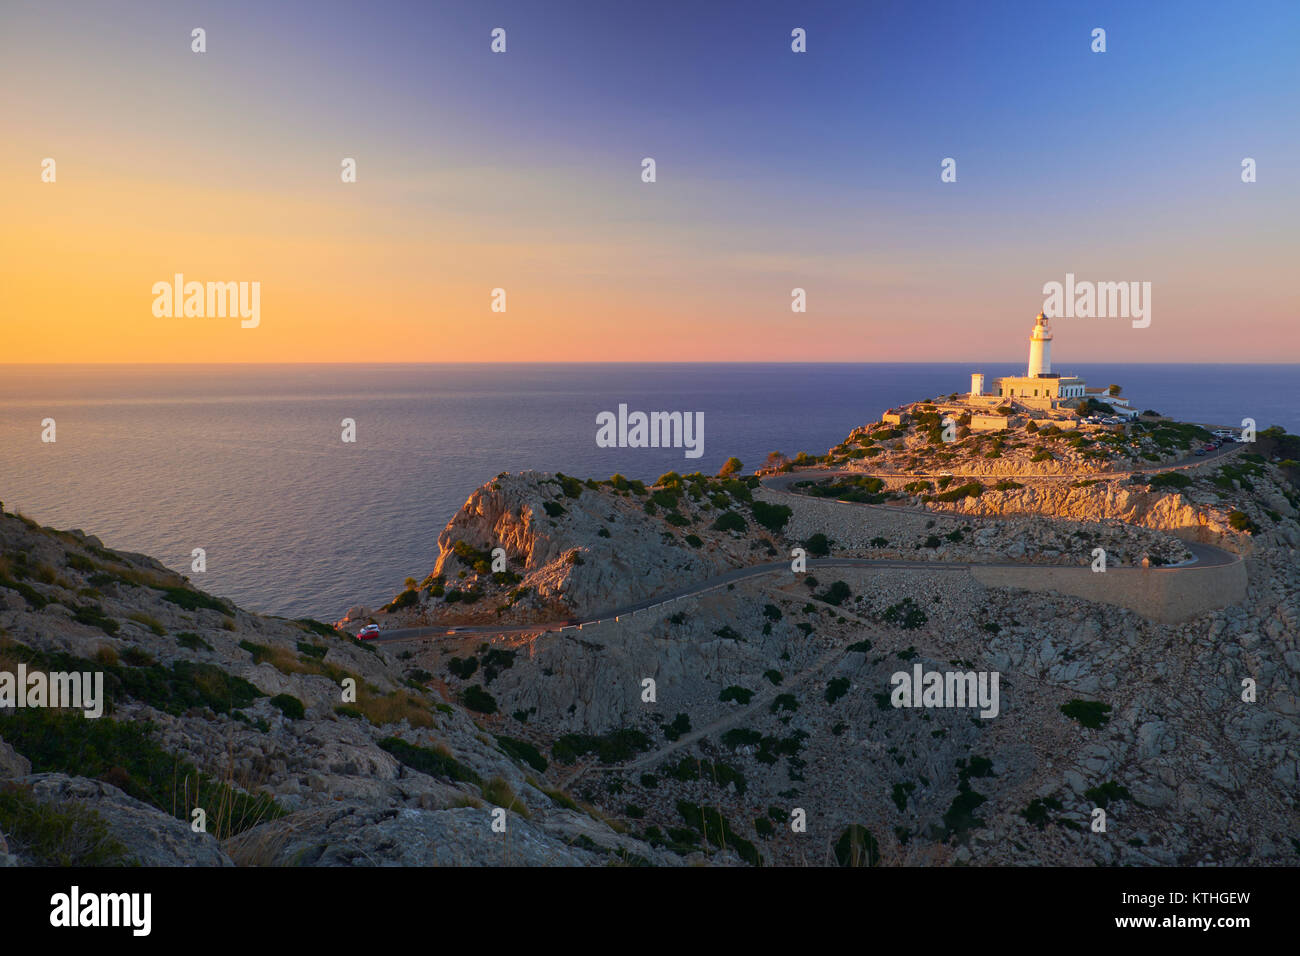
(775, 170)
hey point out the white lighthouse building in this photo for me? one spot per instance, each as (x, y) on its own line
(1040, 394)
(1040, 349)
(1039, 387)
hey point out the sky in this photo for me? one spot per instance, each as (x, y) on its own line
(522, 171)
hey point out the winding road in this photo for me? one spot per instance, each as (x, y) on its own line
(1203, 555)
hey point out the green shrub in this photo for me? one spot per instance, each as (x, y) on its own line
(261, 652)
(408, 598)
(738, 737)
(184, 685)
(149, 621)
(665, 498)
(476, 698)
(738, 490)
(1108, 791)
(126, 755)
(318, 628)
(818, 545)
(572, 487)
(617, 746)
(901, 792)
(784, 702)
(496, 660)
(715, 828)
(192, 600)
(1240, 521)
(857, 847)
(836, 594)
(192, 641)
(960, 817)
(49, 834)
(1090, 713)
(972, 489)
(837, 688)
(1169, 479)
(729, 521)
(523, 751)
(290, 706)
(738, 694)
(463, 668)
(906, 615)
(680, 725)
(34, 598)
(93, 616)
(771, 517)
(1036, 813)
(432, 762)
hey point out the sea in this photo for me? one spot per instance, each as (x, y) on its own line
(248, 462)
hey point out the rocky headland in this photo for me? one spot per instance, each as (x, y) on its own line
(611, 671)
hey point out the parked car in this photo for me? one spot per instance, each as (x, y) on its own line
(1200, 451)
(368, 633)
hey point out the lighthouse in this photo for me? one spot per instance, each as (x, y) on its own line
(1040, 349)
(1040, 388)
(1039, 391)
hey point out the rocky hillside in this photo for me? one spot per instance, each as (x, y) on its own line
(716, 719)
(1031, 443)
(250, 720)
(773, 696)
(750, 723)
(570, 548)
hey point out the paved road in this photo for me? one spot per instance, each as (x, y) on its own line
(783, 482)
(1203, 555)
(690, 590)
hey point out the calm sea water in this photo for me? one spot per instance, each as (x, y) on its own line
(247, 461)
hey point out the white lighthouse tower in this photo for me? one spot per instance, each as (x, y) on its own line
(1040, 349)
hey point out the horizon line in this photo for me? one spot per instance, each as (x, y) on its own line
(967, 363)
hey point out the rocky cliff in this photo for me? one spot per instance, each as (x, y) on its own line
(297, 744)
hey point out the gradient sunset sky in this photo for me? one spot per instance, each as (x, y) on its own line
(523, 171)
